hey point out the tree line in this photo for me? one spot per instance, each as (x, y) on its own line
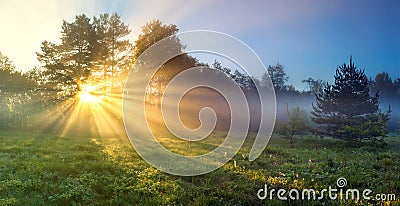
(92, 51)
(97, 51)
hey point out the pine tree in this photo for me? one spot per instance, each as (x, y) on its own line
(111, 47)
(346, 110)
(77, 47)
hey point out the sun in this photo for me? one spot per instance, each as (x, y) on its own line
(85, 95)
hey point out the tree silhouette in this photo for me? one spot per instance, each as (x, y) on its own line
(278, 77)
(87, 45)
(383, 83)
(315, 86)
(151, 33)
(56, 73)
(111, 49)
(78, 39)
(396, 85)
(345, 110)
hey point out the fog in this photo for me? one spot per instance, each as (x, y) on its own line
(192, 104)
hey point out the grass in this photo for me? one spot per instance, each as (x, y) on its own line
(45, 169)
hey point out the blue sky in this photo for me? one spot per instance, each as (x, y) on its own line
(310, 38)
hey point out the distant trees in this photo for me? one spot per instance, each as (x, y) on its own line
(345, 110)
(278, 77)
(244, 81)
(396, 85)
(383, 81)
(384, 84)
(7, 71)
(316, 86)
(17, 97)
(389, 91)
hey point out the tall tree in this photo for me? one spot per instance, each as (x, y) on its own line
(58, 76)
(151, 33)
(345, 110)
(111, 47)
(78, 39)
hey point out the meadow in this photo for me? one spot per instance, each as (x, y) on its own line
(47, 169)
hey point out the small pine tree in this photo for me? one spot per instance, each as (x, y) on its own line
(345, 110)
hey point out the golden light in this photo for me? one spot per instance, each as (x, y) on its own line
(85, 95)
(95, 111)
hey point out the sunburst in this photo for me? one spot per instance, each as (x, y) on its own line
(86, 94)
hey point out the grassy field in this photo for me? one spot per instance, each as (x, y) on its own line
(45, 169)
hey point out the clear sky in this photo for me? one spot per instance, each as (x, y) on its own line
(310, 38)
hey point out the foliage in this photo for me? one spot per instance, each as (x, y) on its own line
(17, 98)
(396, 85)
(77, 42)
(345, 110)
(153, 32)
(113, 53)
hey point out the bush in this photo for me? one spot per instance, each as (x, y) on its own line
(296, 124)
